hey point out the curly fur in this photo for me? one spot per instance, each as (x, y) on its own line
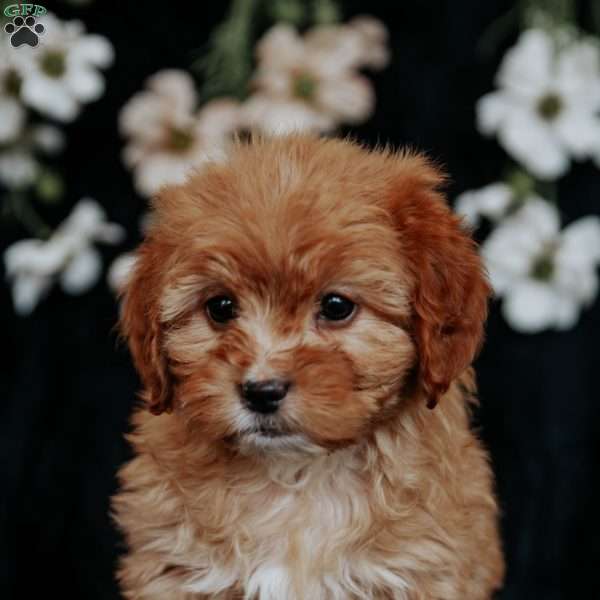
(366, 493)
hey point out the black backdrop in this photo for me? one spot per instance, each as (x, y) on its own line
(66, 387)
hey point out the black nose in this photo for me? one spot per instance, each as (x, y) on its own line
(264, 396)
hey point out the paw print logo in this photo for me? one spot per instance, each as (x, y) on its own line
(24, 31)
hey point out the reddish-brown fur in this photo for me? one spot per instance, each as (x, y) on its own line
(369, 494)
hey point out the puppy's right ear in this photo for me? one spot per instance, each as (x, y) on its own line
(451, 289)
(140, 325)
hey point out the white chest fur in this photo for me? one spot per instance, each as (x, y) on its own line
(304, 535)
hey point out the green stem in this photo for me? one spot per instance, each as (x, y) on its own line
(227, 64)
(21, 208)
(549, 191)
(498, 31)
(595, 10)
(530, 13)
(227, 61)
(547, 13)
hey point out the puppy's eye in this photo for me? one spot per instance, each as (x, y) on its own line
(336, 308)
(221, 309)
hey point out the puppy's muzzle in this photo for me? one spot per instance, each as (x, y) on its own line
(264, 396)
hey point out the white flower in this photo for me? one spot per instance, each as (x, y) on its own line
(69, 256)
(167, 138)
(492, 202)
(545, 275)
(374, 35)
(47, 138)
(311, 82)
(18, 168)
(18, 165)
(120, 271)
(31, 269)
(360, 43)
(281, 116)
(546, 110)
(12, 119)
(61, 73)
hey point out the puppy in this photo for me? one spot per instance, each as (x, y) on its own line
(303, 317)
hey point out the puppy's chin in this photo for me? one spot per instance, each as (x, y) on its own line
(270, 435)
(276, 445)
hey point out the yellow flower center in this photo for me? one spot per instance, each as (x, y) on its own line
(543, 267)
(179, 140)
(53, 63)
(12, 83)
(549, 106)
(304, 86)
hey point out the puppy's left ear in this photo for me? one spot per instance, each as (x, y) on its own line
(451, 290)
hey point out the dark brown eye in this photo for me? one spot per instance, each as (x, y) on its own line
(336, 308)
(221, 309)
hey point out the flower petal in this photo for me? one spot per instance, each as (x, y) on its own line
(86, 217)
(93, 49)
(492, 110)
(120, 271)
(48, 138)
(538, 218)
(527, 68)
(274, 82)
(20, 255)
(579, 282)
(49, 97)
(17, 168)
(176, 87)
(580, 242)
(578, 71)
(161, 169)
(334, 49)
(578, 130)
(577, 258)
(219, 118)
(85, 84)
(12, 119)
(567, 312)
(375, 37)
(530, 307)
(347, 99)
(512, 247)
(27, 291)
(280, 116)
(491, 201)
(529, 140)
(467, 206)
(35, 256)
(143, 117)
(280, 48)
(82, 271)
(505, 262)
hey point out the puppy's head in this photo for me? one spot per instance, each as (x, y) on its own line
(301, 292)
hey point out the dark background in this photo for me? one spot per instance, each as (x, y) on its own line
(67, 387)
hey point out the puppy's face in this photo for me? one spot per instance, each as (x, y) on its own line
(294, 295)
(283, 323)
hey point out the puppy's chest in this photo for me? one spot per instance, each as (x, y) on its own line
(297, 544)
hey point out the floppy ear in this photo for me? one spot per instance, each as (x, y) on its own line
(450, 287)
(140, 325)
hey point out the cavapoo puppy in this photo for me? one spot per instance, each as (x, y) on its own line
(303, 316)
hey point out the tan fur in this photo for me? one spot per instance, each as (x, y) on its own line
(367, 493)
